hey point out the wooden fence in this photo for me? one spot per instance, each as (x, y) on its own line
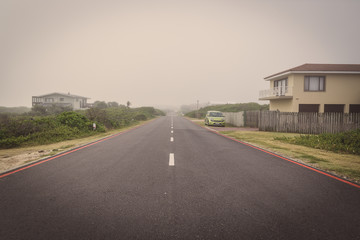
(308, 123)
(251, 119)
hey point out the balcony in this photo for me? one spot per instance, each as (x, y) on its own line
(276, 93)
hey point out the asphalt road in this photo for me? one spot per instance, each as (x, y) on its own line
(150, 183)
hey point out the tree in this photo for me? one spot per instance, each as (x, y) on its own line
(128, 104)
(53, 109)
(57, 109)
(100, 104)
(113, 104)
(38, 110)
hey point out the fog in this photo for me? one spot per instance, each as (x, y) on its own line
(166, 53)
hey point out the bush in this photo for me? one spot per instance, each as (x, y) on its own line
(346, 142)
(24, 125)
(54, 109)
(57, 134)
(140, 117)
(74, 120)
(121, 116)
(13, 142)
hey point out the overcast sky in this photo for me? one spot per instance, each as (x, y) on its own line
(166, 52)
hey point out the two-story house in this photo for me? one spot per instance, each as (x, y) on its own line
(315, 88)
(65, 100)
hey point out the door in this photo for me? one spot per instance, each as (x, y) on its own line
(283, 87)
(280, 87)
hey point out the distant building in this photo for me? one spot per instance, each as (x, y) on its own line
(315, 88)
(65, 100)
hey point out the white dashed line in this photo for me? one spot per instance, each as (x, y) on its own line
(171, 159)
(171, 156)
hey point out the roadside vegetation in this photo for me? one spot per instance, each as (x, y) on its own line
(54, 124)
(238, 107)
(14, 110)
(346, 142)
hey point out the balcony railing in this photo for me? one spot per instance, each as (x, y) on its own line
(276, 92)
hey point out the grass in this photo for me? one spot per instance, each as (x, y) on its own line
(67, 146)
(311, 158)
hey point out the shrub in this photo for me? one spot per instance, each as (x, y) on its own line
(346, 142)
(13, 142)
(24, 125)
(57, 134)
(140, 117)
(74, 120)
(99, 116)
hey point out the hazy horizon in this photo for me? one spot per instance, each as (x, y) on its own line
(166, 53)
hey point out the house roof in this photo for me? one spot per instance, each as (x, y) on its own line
(63, 94)
(320, 68)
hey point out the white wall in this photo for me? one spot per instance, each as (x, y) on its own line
(234, 118)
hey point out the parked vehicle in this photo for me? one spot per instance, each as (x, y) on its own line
(215, 118)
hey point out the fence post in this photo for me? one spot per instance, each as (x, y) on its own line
(245, 119)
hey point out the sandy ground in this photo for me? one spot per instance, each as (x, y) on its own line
(13, 158)
(10, 161)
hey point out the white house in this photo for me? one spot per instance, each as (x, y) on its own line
(62, 99)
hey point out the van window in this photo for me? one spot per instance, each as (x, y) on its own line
(216, 114)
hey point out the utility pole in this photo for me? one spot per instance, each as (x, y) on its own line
(197, 109)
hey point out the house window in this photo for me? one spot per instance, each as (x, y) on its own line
(49, 100)
(337, 108)
(280, 87)
(35, 99)
(314, 83)
(309, 107)
(62, 99)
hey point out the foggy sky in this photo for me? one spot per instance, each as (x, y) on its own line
(166, 52)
